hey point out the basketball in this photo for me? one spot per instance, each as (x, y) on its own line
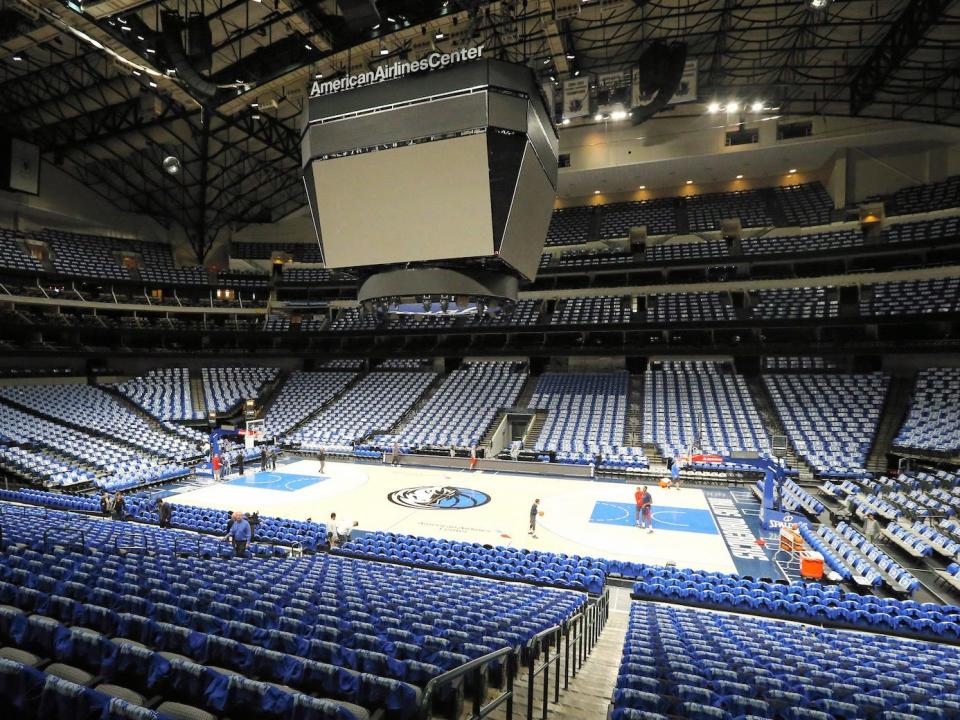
(541, 513)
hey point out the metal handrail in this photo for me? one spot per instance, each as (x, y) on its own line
(553, 634)
(579, 633)
(476, 666)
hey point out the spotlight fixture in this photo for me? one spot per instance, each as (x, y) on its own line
(739, 177)
(818, 4)
(643, 187)
(733, 106)
(713, 108)
(689, 182)
(757, 106)
(618, 115)
(571, 56)
(546, 61)
(596, 192)
(792, 170)
(565, 121)
(384, 51)
(439, 35)
(598, 117)
(171, 165)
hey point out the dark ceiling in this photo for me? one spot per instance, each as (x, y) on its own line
(91, 88)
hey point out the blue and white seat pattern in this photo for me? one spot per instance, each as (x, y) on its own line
(461, 410)
(831, 420)
(376, 403)
(98, 411)
(360, 633)
(911, 297)
(225, 387)
(303, 394)
(680, 662)
(587, 416)
(801, 303)
(117, 466)
(701, 405)
(933, 422)
(164, 393)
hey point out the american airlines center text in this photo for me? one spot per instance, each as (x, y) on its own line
(434, 61)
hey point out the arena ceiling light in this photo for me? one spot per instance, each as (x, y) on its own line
(618, 115)
(171, 165)
(713, 108)
(689, 182)
(757, 106)
(739, 177)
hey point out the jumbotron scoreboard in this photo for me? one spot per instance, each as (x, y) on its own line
(434, 178)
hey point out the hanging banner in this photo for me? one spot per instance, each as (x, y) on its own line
(576, 98)
(614, 92)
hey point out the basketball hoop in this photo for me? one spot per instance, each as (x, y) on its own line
(252, 433)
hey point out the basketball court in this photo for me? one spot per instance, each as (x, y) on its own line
(709, 529)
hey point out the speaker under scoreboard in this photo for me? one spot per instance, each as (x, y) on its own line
(432, 181)
(19, 166)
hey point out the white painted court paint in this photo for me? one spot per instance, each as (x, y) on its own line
(359, 492)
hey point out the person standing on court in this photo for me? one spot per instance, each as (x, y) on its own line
(239, 534)
(322, 457)
(638, 498)
(215, 466)
(395, 453)
(227, 464)
(263, 458)
(534, 511)
(240, 462)
(646, 510)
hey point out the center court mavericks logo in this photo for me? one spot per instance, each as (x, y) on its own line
(438, 497)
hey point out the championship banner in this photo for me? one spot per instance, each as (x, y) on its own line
(576, 98)
(686, 91)
(614, 92)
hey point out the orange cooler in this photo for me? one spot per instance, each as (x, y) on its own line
(811, 565)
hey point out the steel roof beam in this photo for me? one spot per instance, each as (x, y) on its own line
(902, 38)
